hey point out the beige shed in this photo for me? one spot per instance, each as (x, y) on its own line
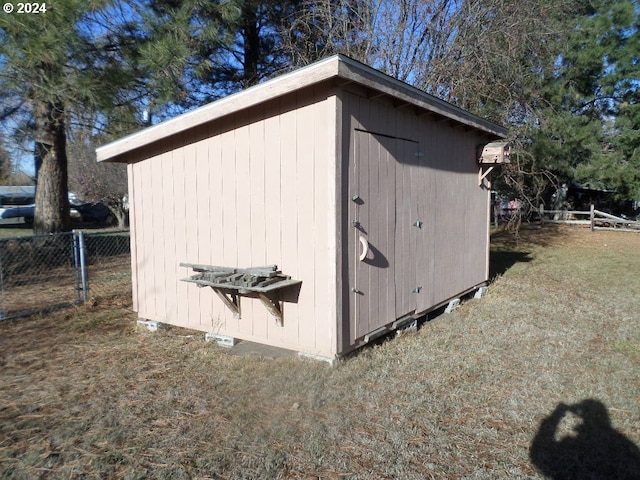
(370, 196)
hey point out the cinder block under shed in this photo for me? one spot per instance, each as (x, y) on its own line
(310, 212)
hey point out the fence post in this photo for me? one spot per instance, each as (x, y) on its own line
(76, 263)
(592, 216)
(541, 213)
(81, 255)
(2, 315)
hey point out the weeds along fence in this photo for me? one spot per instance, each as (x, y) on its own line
(593, 218)
(44, 272)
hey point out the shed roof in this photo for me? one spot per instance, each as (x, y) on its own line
(338, 67)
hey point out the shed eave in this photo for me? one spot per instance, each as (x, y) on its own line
(357, 72)
(337, 66)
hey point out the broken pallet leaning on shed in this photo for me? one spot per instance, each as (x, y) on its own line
(265, 283)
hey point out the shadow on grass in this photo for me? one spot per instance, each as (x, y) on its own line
(15, 226)
(501, 261)
(578, 441)
(510, 248)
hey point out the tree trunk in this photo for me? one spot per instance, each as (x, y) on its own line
(120, 214)
(122, 220)
(52, 194)
(251, 33)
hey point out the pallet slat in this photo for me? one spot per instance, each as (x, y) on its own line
(228, 283)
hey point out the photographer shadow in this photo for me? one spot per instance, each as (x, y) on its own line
(579, 442)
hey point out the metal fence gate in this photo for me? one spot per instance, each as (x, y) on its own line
(44, 272)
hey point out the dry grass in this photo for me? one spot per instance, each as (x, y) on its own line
(84, 394)
(55, 287)
(15, 229)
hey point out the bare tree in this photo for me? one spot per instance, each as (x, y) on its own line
(5, 164)
(97, 182)
(501, 54)
(318, 29)
(412, 40)
(69, 56)
(487, 56)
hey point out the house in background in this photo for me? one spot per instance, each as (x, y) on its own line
(370, 196)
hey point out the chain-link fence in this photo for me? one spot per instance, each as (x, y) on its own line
(108, 264)
(44, 272)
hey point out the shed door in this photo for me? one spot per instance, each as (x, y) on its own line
(382, 208)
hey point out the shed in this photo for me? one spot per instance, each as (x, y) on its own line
(370, 196)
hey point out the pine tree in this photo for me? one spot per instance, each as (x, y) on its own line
(55, 64)
(206, 50)
(590, 119)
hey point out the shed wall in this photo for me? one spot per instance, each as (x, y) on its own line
(251, 189)
(436, 183)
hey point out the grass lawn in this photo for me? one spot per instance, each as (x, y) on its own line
(542, 375)
(15, 229)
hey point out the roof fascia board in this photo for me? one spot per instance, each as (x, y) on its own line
(337, 66)
(359, 73)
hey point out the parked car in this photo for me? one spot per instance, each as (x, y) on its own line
(81, 212)
(95, 212)
(25, 211)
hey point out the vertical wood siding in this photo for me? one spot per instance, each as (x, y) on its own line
(266, 186)
(252, 189)
(133, 212)
(434, 177)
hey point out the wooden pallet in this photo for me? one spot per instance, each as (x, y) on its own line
(229, 284)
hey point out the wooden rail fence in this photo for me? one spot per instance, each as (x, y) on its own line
(596, 219)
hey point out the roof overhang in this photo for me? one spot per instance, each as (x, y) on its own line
(335, 67)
